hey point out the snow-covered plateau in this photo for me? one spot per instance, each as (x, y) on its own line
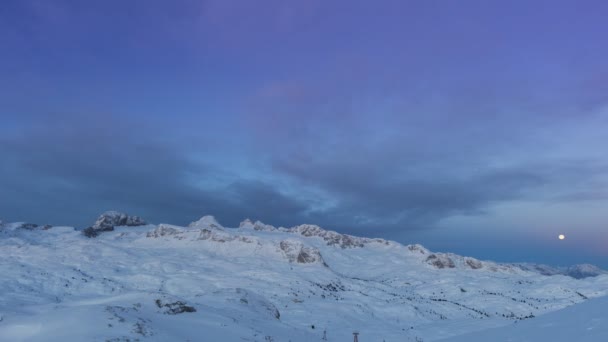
(123, 279)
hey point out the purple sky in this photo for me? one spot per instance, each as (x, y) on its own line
(477, 127)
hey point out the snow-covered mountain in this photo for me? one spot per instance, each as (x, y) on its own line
(134, 281)
(576, 271)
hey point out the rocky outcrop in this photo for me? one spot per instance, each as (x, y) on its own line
(417, 249)
(165, 230)
(333, 238)
(173, 308)
(440, 261)
(25, 226)
(473, 263)
(295, 251)
(259, 226)
(330, 237)
(221, 236)
(33, 226)
(110, 219)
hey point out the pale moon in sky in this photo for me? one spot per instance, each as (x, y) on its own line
(561, 236)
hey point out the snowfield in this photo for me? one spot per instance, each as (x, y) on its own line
(586, 322)
(205, 282)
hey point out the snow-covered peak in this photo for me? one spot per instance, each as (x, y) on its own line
(246, 224)
(584, 271)
(111, 219)
(259, 283)
(208, 222)
(258, 225)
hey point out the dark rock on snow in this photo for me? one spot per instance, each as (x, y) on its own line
(440, 261)
(295, 251)
(33, 226)
(174, 308)
(110, 219)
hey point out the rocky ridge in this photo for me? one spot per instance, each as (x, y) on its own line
(110, 219)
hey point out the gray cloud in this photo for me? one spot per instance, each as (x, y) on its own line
(65, 169)
(405, 167)
(378, 199)
(391, 123)
(389, 154)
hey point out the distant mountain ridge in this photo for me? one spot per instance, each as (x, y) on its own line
(110, 219)
(132, 280)
(576, 271)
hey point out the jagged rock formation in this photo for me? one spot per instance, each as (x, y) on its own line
(295, 251)
(440, 260)
(330, 237)
(219, 236)
(418, 248)
(173, 308)
(164, 230)
(110, 219)
(196, 234)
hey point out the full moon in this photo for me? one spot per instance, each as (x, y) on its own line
(561, 236)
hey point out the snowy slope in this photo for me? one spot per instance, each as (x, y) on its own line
(586, 322)
(257, 283)
(576, 271)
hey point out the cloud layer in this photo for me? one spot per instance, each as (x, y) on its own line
(396, 119)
